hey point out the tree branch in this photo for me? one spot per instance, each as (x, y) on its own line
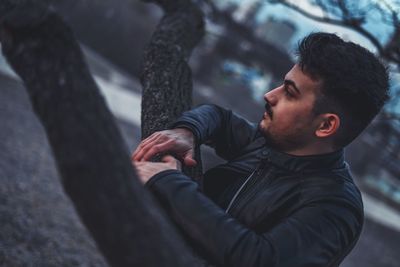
(261, 52)
(348, 23)
(167, 78)
(390, 52)
(90, 154)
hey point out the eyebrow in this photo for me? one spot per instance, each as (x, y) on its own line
(293, 84)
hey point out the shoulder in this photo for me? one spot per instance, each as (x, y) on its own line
(336, 193)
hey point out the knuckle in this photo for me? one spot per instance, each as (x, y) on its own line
(156, 148)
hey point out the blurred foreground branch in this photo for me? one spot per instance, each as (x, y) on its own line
(90, 154)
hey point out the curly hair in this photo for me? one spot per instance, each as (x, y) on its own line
(355, 83)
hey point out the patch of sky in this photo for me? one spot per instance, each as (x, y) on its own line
(257, 81)
(394, 106)
(375, 23)
(305, 25)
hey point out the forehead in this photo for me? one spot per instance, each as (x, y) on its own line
(303, 81)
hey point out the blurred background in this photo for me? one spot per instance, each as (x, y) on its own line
(248, 47)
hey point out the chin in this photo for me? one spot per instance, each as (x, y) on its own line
(263, 125)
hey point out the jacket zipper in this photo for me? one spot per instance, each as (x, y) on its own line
(259, 184)
(249, 189)
(238, 191)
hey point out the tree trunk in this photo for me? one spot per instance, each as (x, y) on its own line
(92, 160)
(166, 77)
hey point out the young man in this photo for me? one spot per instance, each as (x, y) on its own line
(285, 196)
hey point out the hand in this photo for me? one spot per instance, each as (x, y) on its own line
(178, 141)
(147, 169)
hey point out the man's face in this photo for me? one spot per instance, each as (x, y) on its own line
(289, 123)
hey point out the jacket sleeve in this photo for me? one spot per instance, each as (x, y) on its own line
(313, 236)
(224, 130)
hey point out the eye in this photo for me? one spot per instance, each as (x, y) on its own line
(288, 93)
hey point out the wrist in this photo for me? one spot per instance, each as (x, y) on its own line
(184, 130)
(189, 127)
(187, 133)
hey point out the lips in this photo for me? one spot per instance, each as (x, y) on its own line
(268, 110)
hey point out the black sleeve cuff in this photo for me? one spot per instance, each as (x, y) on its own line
(159, 176)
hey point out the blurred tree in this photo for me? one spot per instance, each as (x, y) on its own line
(238, 41)
(112, 28)
(382, 135)
(91, 157)
(355, 15)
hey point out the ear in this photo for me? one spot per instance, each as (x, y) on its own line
(328, 125)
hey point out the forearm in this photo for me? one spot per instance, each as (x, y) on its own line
(223, 129)
(227, 242)
(204, 121)
(315, 234)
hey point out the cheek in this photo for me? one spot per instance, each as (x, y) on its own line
(288, 118)
(293, 120)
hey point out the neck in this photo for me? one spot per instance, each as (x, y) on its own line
(316, 149)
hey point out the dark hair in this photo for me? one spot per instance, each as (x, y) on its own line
(355, 84)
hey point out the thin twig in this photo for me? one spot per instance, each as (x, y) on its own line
(350, 23)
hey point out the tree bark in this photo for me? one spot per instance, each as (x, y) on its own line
(166, 77)
(91, 157)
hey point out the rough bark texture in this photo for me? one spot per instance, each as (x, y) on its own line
(166, 77)
(39, 226)
(91, 157)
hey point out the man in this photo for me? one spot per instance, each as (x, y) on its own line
(285, 196)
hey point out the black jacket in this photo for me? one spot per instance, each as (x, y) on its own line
(262, 208)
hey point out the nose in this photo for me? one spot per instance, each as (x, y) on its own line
(271, 97)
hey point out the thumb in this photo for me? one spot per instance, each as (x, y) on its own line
(168, 159)
(189, 161)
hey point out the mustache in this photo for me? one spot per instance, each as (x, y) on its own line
(268, 109)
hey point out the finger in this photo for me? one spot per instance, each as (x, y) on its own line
(188, 158)
(146, 147)
(143, 150)
(189, 161)
(144, 143)
(151, 138)
(164, 147)
(148, 140)
(172, 162)
(142, 163)
(168, 159)
(137, 164)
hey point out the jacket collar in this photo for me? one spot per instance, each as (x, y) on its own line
(313, 163)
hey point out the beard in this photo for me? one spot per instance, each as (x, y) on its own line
(283, 142)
